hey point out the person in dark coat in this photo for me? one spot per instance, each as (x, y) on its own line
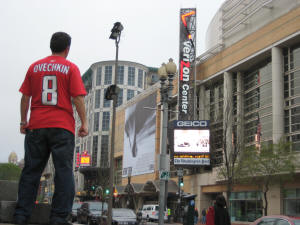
(218, 214)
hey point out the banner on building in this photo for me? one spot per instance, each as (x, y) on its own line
(139, 137)
(187, 56)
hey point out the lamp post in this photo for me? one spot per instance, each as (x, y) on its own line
(166, 71)
(112, 94)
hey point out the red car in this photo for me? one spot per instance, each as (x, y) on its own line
(277, 220)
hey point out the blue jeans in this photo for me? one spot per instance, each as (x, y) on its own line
(39, 144)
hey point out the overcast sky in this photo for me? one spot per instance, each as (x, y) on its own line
(150, 37)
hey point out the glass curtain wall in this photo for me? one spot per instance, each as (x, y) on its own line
(258, 104)
(292, 95)
(291, 202)
(245, 206)
(214, 98)
(104, 151)
(95, 150)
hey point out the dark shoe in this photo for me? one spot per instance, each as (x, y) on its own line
(20, 221)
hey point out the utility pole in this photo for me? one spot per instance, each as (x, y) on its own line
(166, 70)
(112, 94)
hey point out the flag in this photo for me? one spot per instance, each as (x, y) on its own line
(258, 133)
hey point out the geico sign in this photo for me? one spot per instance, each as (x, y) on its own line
(192, 123)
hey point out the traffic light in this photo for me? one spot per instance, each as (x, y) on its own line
(180, 181)
(93, 187)
(107, 191)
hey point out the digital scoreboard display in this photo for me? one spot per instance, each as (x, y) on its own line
(191, 144)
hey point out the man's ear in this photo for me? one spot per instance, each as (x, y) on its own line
(66, 52)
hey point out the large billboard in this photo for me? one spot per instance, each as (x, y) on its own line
(191, 145)
(187, 56)
(139, 137)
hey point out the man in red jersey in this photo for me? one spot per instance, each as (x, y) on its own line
(50, 86)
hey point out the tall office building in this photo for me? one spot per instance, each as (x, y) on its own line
(132, 79)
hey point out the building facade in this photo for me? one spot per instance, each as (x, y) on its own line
(251, 64)
(132, 79)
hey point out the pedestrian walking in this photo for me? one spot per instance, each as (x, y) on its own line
(203, 213)
(196, 216)
(169, 215)
(218, 214)
(49, 87)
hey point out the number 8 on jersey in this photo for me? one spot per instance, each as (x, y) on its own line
(49, 93)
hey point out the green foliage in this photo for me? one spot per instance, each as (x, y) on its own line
(9, 171)
(273, 162)
(269, 164)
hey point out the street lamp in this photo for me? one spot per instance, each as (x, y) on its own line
(166, 71)
(112, 94)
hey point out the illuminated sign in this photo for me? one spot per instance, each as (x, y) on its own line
(191, 142)
(85, 159)
(187, 48)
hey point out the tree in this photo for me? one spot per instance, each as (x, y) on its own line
(231, 144)
(266, 165)
(9, 171)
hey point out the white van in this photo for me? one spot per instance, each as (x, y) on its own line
(150, 212)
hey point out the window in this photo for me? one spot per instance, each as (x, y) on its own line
(131, 76)
(292, 95)
(245, 206)
(97, 98)
(267, 221)
(282, 222)
(96, 121)
(104, 151)
(108, 75)
(120, 75)
(106, 103)
(291, 202)
(140, 78)
(130, 94)
(105, 121)
(120, 97)
(89, 144)
(258, 104)
(214, 111)
(95, 150)
(98, 76)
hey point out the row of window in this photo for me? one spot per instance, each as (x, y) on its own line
(292, 95)
(120, 76)
(107, 103)
(248, 206)
(105, 121)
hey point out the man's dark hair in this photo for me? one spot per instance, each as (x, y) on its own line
(59, 42)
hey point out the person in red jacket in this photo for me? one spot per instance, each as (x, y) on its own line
(49, 88)
(218, 214)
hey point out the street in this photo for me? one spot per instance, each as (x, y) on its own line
(147, 223)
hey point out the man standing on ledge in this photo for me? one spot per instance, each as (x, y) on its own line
(50, 84)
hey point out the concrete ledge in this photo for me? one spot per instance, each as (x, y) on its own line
(9, 190)
(40, 213)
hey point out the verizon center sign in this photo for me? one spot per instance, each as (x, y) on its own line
(187, 53)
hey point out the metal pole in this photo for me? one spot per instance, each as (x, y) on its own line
(163, 147)
(112, 144)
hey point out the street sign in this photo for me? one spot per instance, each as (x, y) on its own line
(164, 175)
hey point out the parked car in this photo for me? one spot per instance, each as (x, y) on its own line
(90, 212)
(277, 220)
(151, 212)
(120, 216)
(76, 205)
